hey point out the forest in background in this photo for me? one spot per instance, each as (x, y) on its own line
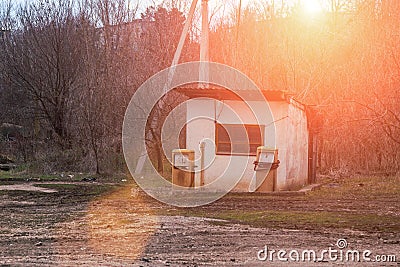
(69, 69)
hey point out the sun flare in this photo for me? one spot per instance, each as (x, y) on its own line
(312, 6)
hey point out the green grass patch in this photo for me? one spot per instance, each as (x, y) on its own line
(81, 189)
(23, 175)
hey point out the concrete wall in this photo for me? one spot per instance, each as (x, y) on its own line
(291, 138)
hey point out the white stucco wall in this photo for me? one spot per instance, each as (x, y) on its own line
(289, 122)
(296, 159)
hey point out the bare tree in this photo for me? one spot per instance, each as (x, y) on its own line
(43, 58)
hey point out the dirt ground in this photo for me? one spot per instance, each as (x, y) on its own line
(96, 224)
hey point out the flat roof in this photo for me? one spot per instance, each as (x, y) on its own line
(221, 93)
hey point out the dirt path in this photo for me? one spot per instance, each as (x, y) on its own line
(66, 228)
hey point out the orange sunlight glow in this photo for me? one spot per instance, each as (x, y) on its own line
(121, 223)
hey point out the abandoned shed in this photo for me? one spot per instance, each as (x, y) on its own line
(288, 132)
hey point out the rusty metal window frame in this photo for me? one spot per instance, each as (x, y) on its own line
(253, 141)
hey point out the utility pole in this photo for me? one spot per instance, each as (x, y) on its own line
(204, 44)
